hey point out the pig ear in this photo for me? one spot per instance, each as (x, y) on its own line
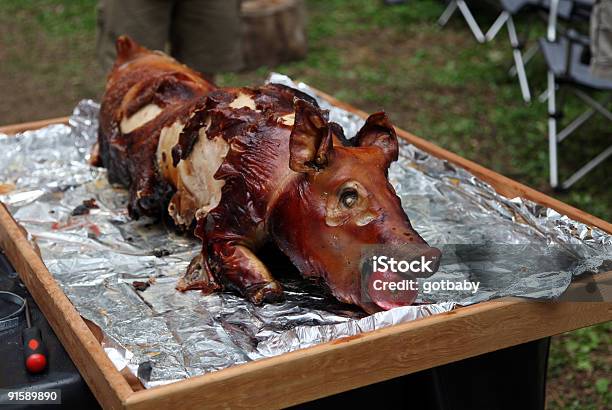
(378, 132)
(311, 138)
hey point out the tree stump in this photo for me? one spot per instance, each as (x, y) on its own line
(273, 32)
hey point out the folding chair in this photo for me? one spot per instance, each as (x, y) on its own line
(565, 68)
(564, 9)
(511, 8)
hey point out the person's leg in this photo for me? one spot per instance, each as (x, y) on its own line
(601, 39)
(146, 21)
(206, 35)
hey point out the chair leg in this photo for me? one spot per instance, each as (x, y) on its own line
(574, 125)
(469, 18)
(448, 12)
(499, 23)
(551, 31)
(596, 105)
(529, 54)
(587, 168)
(543, 97)
(552, 131)
(518, 60)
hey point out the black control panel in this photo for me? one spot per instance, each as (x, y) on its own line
(59, 373)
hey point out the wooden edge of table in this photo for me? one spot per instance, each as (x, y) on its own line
(33, 125)
(367, 358)
(107, 384)
(328, 368)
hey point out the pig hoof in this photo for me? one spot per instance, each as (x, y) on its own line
(269, 292)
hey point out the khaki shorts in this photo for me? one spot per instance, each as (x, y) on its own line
(601, 39)
(203, 34)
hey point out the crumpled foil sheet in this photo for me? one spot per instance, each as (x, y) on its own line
(163, 335)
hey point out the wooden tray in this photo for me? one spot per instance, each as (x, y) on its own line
(328, 368)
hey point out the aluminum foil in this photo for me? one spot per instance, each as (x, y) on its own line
(121, 273)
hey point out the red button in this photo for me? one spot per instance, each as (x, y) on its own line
(33, 344)
(36, 363)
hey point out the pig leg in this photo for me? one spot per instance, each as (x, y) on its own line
(243, 269)
(198, 276)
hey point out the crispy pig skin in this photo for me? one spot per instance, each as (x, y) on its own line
(242, 166)
(140, 77)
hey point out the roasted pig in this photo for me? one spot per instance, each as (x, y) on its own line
(242, 166)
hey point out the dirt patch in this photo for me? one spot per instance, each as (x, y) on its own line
(43, 76)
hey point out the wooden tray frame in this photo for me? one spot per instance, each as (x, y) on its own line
(325, 369)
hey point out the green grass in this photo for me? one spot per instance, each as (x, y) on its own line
(580, 366)
(54, 18)
(437, 83)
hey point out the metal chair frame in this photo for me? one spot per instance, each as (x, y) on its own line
(467, 15)
(505, 18)
(520, 60)
(555, 137)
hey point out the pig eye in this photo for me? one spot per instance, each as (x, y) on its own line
(348, 198)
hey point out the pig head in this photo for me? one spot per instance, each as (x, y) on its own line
(340, 202)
